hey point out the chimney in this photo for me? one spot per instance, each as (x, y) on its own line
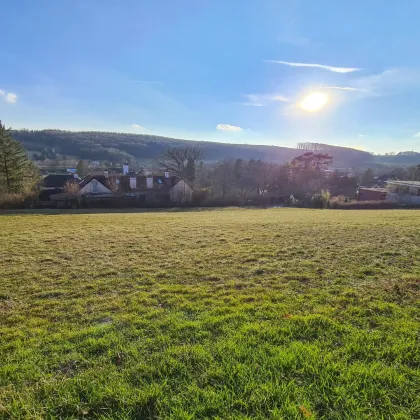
(125, 169)
(167, 175)
(106, 174)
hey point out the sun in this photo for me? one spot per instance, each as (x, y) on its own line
(313, 102)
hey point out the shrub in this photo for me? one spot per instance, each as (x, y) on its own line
(200, 197)
(226, 201)
(320, 200)
(14, 201)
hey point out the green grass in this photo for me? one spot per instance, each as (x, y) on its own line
(225, 314)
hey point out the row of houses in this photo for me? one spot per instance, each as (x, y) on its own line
(403, 191)
(104, 188)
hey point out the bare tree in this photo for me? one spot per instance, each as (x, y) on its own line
(181, 161)
(112, 184)
(71, 187)
(223, 176)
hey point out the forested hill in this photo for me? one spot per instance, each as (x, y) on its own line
(119, 147)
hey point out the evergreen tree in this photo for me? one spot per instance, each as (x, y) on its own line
(81, 168)
(17, 172)
(368, 179)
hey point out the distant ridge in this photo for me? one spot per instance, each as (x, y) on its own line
(119, 147)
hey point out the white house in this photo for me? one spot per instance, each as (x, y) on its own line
(95, 184)
(181, 192)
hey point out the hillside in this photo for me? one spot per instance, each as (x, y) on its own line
(119, 147)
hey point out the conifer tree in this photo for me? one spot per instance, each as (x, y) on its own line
(18, 174)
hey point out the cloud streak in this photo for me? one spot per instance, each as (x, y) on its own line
(395, 80)
(263, 99)
(228, 127)
(348, 88)
(390, 81)
(317, 66)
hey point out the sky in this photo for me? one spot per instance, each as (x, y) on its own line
(234, 71)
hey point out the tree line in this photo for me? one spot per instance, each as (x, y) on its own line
(239, 180)
(304, 178)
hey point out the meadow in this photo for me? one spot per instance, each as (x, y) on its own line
(219, 314)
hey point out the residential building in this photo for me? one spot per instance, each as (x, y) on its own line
(95, 184)
(371, 194)
(54, 184)
(404, 191)
(156, 190)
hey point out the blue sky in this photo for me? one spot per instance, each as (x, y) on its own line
(232, 71)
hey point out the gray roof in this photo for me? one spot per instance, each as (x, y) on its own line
(407, 183)
(373, 189)
(56, 181)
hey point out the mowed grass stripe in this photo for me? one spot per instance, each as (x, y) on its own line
(241, 314)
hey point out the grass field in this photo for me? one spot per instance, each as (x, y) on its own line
(224, 314)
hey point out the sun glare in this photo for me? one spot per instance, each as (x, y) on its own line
(313, 102)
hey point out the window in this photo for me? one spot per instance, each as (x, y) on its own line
(159, 181)
(95, 186)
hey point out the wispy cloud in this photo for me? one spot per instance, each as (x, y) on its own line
(339, 88)
(318, 66)
(389, 81)
(228, 127)
(2, 92)
(381, 84)
(417, 135)
(264, 99)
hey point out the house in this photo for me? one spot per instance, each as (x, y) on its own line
(405, 191)
(158, 190)
(371, 194)
(128, 190)
(54, 184)
(182, 192)
(95, 184)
